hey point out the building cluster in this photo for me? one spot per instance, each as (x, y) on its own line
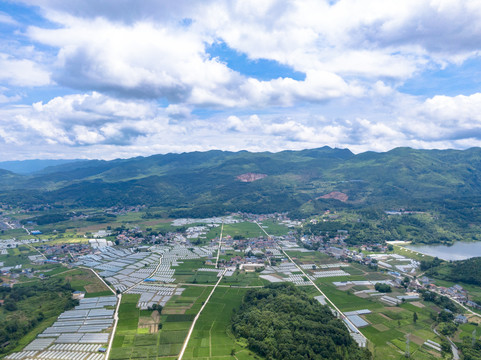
(323, 242)
(14, 243)
(7, 223)
(122, 210)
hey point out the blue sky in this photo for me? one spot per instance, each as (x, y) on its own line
(122, 78)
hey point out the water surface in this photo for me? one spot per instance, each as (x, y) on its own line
(459, 251)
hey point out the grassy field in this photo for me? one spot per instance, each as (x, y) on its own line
(187, 272)
(132, 342)
(212, 338)
(85, 280)
(274, 228)
(411, 253)
(466, 331)
(311, 257)
(18, 256)
(242, 229)
(249, 230)
(241, 278)
(14, 233)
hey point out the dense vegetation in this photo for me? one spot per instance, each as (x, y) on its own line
(51, 218)
(471, 351)
(442, 301)
(281, 322)
(446, 184)
(28, 306)
(385, 288)
(467, 271)
(376, 226)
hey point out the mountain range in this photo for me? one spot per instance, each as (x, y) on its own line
(214, 182)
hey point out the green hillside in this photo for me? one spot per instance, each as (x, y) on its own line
(205, 183)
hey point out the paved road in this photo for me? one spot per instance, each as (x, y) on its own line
(37, 250)
(186, 341)
(116, 321)
(454, 348)
(339, 312)
(220, 244)
(225, 286)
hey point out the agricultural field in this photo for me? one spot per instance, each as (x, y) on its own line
(274, 228)
(315, 257)
(242, 278)
(86, 281)
(135, 341)
(390, 327)
(212, 338)
(187, 272)
(18, 256)
(466, 331)
(242, 230)
(14, 233)
(246, 229)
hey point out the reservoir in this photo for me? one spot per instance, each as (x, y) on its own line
(459, 251)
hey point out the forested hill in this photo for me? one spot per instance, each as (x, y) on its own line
(214, 182)
(282, 322)
(467, 271)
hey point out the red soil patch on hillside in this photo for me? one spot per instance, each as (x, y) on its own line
(335, 195)
(250, 177)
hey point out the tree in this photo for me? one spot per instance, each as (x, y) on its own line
(282, 322)
(448, 328)
(385, 288)
(415, 317)
(445, 316)
(445, 347)
(10, 305)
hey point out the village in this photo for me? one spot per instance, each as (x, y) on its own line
(253, 254)
(159, 264)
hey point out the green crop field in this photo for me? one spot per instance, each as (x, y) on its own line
(83, 280)
(187, 272)
(243, 229)
(241, 278)
(211, 338)
(17, 256)
(308, 257)
(132, 342)
(347, 301)
(274, 228)
(390, 327)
